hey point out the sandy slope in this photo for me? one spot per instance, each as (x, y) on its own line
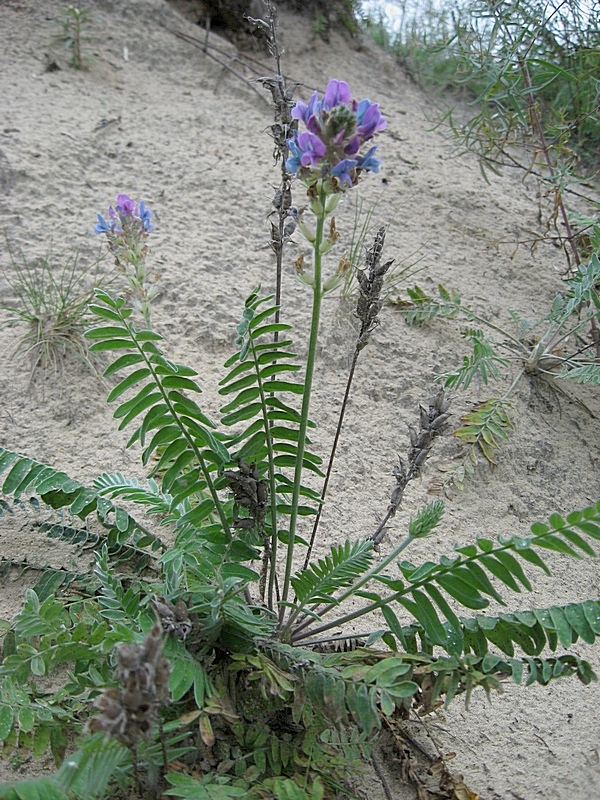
(192, 141)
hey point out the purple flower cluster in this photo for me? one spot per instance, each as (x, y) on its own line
(125, 218)
(337, 127)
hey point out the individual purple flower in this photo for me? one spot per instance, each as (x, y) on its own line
(305, 111)
(103, 227)
(145, 217)
(336, 93)
(125, 205)
(306, 150)
(312, 149)
(368, 162)
(293, 162)
(352, 148)
(369, 119)
(342, 170)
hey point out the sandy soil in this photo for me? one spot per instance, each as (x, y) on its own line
(192, 141)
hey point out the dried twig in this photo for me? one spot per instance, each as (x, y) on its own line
(370, 302)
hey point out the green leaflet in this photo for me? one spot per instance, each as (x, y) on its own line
(160, 399)
(320, 581)
(424, 612)
(460, 588)
(185, 486)
(455, 642)
(164, 436)
(127, 360)
(35, 789)
(177, 467)
(6, 721)
(59, 491)
(134, 377)
(208, 788)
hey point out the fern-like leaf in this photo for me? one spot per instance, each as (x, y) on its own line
(115, 484)
(588, 374)
(485, 427)
(484, 363)
(207, 788)
(531, 631)
(469, 577)
(583, 289)
(167, 419)
(260, 385)
(421, 307)
(255, 382)
(27, 477)
(116, 603)
(472, 576)
(319, 581)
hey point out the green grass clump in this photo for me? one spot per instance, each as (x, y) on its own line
(49, 304)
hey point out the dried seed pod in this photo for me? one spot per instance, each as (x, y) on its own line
(439, 422)
(173, 618)
(249, 492)
(129, 711)
(370, 282)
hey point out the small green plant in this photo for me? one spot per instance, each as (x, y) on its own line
(559, 346)
(75, 23)
(50, 302)
(320, 24)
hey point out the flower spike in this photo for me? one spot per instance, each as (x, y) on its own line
(327, 155)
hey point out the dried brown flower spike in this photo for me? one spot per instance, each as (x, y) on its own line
(370, 284)
(129, 711)
(431, 423)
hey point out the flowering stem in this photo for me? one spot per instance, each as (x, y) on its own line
(310, 365)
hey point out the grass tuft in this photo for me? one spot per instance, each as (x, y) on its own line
(49, 304)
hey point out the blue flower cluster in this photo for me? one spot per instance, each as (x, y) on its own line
(126, 216)
(337, 127)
